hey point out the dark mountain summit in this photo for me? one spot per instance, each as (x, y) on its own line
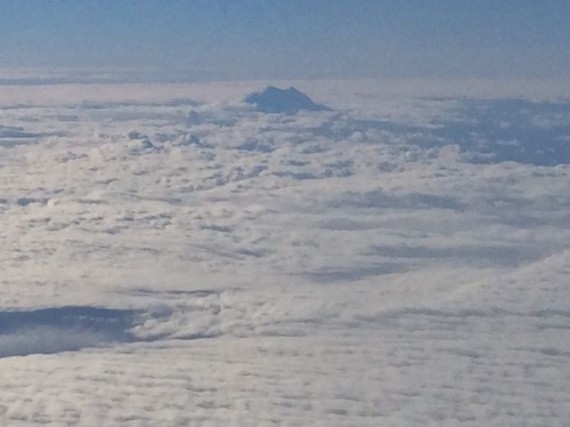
(285, 101)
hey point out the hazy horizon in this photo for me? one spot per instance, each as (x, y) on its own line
(256, 39)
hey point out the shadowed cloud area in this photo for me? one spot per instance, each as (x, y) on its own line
(501, 130)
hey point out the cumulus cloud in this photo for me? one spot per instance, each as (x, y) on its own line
(394, 253)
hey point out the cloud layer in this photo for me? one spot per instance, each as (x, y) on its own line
(171, 255)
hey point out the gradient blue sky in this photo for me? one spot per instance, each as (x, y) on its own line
(292, 38)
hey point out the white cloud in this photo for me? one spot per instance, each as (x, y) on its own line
(353, 267)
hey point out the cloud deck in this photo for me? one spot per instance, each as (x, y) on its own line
(191, 260)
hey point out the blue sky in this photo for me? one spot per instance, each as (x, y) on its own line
(292, 38)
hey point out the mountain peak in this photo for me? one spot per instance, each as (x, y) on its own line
(285, 101)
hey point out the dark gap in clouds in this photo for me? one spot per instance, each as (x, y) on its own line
(351, 274)
(526, 213)
(53, 330)
(505, 255)
(255, 146)
(112, 321)
(346, 224)
(17, 132)
(25, 107)
(66, 118)
(196, 293)
(298, 176)
(553, 217)
(11, 143)
(420, 318)
(378, 199)
(72, 328)
(12, 136)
